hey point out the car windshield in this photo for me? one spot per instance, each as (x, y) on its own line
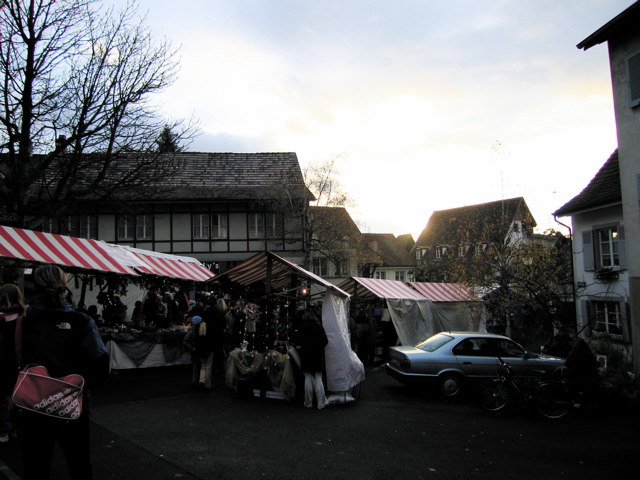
(431, 344)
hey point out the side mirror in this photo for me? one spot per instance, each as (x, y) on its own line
(527, 355)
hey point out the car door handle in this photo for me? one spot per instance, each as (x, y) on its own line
(467, 363)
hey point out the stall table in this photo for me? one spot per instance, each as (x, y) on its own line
(145, 349)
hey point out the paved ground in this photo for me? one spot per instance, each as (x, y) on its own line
(149, 423)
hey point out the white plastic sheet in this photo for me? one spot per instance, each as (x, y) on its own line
(416, 320)
(344, 368)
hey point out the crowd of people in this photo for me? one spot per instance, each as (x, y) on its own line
(67, 340)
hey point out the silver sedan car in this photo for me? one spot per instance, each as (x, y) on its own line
(447, 360)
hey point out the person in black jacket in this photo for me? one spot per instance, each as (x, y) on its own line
(311, 340)
(65, 342)
(12, 307)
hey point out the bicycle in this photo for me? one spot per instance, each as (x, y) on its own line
(550, 399)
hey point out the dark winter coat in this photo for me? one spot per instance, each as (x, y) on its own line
(311, 339)
(64, 341)
(204, 343)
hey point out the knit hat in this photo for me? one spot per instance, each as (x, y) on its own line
(195, 320)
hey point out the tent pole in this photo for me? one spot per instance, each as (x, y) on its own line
(269, 273)
(355, 299)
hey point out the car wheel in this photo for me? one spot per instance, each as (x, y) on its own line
(451, 385)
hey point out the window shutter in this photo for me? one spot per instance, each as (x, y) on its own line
(633, 76)
(586, 319)
(587, 251)
(625, 321)
(622, 248)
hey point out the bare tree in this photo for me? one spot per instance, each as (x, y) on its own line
(75, 93)
(321, 206)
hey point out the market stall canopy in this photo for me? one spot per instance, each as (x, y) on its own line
(445, 292)
(414, 316)
(393, 289)
(162, 264)
(96, 256)
(269, 267)
(71, 252)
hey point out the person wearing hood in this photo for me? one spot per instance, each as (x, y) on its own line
(311, 341)
(203, 346)
(189, 343)
(66, 342)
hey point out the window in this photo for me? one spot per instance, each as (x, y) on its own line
(200, 225)
(256, 225)
(83, 226)
(381, 275)
(438, 252)
(342, 268)
(604, 247)
(517, 226)
(320, 267)
(607, 317)
(608, 244)
(135, 227)
(274, 225)
(478, 249)
(144, 227)
(461, 250)
(418, 254)
(88, 227)
(219, 225)
(400, 275)
(126, 227)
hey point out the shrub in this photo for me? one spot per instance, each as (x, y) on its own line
(582, 373)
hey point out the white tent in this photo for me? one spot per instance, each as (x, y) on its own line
(344, 369)
(462, 307)
(414, 316)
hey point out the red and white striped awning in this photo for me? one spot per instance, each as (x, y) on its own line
(62, 250)
(392, 289)
(445, 292)
(162, 264)
(267, 266)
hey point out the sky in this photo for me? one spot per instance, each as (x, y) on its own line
(428, 105)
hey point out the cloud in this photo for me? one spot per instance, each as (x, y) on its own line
(414, 92)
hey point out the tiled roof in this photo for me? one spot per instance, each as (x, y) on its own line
(392, 250)
(604, 189)
(227, 176)
(334, 221)
(406, 241)
(470, 224)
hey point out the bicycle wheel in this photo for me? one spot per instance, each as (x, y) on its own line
(494, 396)
(552, 400)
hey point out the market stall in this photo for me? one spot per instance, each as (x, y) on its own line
(99, 272)
(414, 316)
(282, 286)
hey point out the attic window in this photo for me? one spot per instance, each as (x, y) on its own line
(633, 76)
(517, 227)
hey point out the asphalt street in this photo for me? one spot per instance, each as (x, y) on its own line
(150, 423)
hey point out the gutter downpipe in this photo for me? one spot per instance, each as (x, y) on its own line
(573, 278)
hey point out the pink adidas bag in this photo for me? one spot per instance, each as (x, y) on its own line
(36, 391)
